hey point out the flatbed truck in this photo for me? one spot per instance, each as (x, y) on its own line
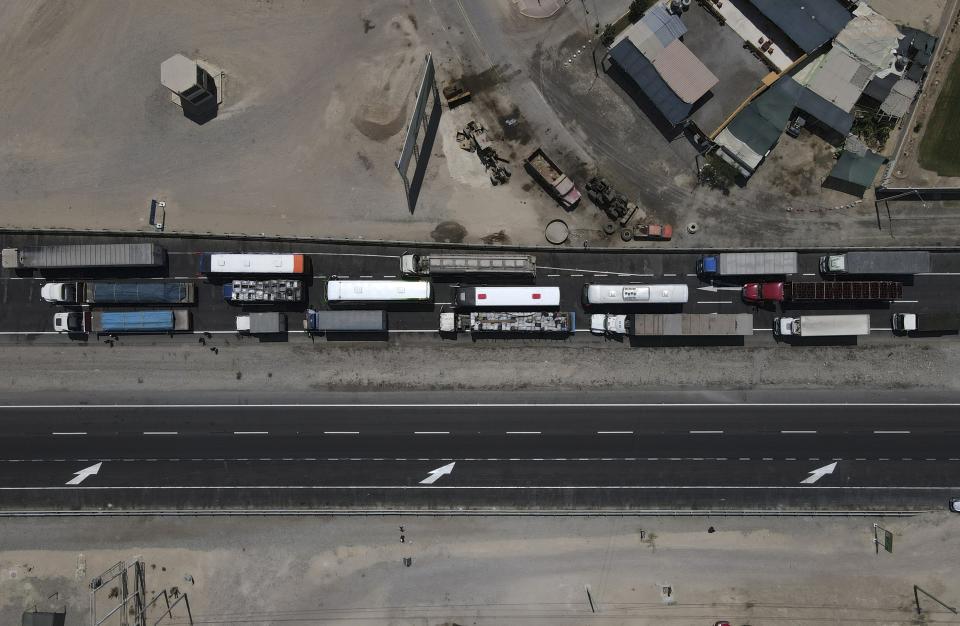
(926, 322)
(359, 321)
(149, 321)
(87, 255)
(464, 264)
(153, 292)
(886, 262)
(512, 322)
(672, 324)
(748, 264)
(813, 291)
(262, 323)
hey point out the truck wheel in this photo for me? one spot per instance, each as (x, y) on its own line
(626, 234)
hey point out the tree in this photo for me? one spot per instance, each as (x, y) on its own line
(718, 174)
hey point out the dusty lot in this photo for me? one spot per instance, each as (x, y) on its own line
(480, 570)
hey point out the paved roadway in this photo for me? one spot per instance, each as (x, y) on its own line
(721, 453)
(24, 313)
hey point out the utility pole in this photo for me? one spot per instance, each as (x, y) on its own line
(131, 603)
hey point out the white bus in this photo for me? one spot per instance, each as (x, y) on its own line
(378, 291)
(212, 263)
(506, 297)
(634, 294)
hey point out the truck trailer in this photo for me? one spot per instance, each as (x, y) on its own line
(461, 264)
(262, 323)
(888, 262)
(822, 326)
(672, 324)
(926, 322)
(165, 321)
(361, 321)
(811, 291)
(263, 291)
(552, 179)
(528, 322)
(89, 255)
(119, 293)
(748, 264)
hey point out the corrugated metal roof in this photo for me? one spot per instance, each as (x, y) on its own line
(809, 23)
(629, 59)
(686, 75)
(857, 170)
(666, 25)
(825, 111)
(897, 102)
(870, 38)
(840, 79)
(645, 40)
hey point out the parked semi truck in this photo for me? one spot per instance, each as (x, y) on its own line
(552, 179)
(529, 322)
(460, 264)
(263, 291)
(748, 264)
(361, 321)
(887, 262)
(91, 255)
(673, 324)
(822, 326)
(836, 290)
(262, 323)
(165, 321)
(926, 322)
(119, 293)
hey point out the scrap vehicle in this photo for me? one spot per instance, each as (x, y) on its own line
(263, 291)
(509, 322)
(552, 179)
(613, 203)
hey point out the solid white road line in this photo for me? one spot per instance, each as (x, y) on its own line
(706, 432)
(798, 432)
(523, 432)
(341, 432)
(160, 432)
(891, 432)
(480, 405)
(493, 487)
(905, 301)
(250, 432)
(73, 433)
(714, 302)
(431, 432)
(614, 432)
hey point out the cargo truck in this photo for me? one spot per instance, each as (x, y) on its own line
(672, 324)
(263, 291)
(552, 179)
(529, 322)
(748, 264)
(345, 321)
(835, 290)
(887, 262)
(91, 255)
(167, 321)
(926, 322)
(822, 326)
(119, 293)
(460, 264)
(262, 323)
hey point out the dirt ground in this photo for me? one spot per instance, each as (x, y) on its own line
(488, 570)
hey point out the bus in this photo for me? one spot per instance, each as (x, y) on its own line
(634, 294)
(212, 263)
(378, 291)
(506, 297)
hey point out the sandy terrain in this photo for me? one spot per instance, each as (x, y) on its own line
(476, 570)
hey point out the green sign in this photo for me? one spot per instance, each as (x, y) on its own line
(888, 541)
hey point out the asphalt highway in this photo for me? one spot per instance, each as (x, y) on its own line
(24, 313)
(727, 456)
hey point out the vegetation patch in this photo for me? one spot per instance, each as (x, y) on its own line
(938, 148)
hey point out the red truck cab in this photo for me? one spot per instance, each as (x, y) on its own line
(763, 292)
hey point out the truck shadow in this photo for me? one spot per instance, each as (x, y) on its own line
(812, 342)
(680, 342)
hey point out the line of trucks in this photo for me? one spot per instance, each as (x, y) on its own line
(106, 293)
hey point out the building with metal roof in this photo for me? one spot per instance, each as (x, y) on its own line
(854, 173)
(808, 23)
(686, 75)
(653, 32)
(641, 71)
(898, 101)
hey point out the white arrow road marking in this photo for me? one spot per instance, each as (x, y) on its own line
(437, 473)
(713, 289)
(819, 473)
(85, 473)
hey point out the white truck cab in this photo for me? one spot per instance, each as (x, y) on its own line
(67, 322)
(54, 292)
(603, 324)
